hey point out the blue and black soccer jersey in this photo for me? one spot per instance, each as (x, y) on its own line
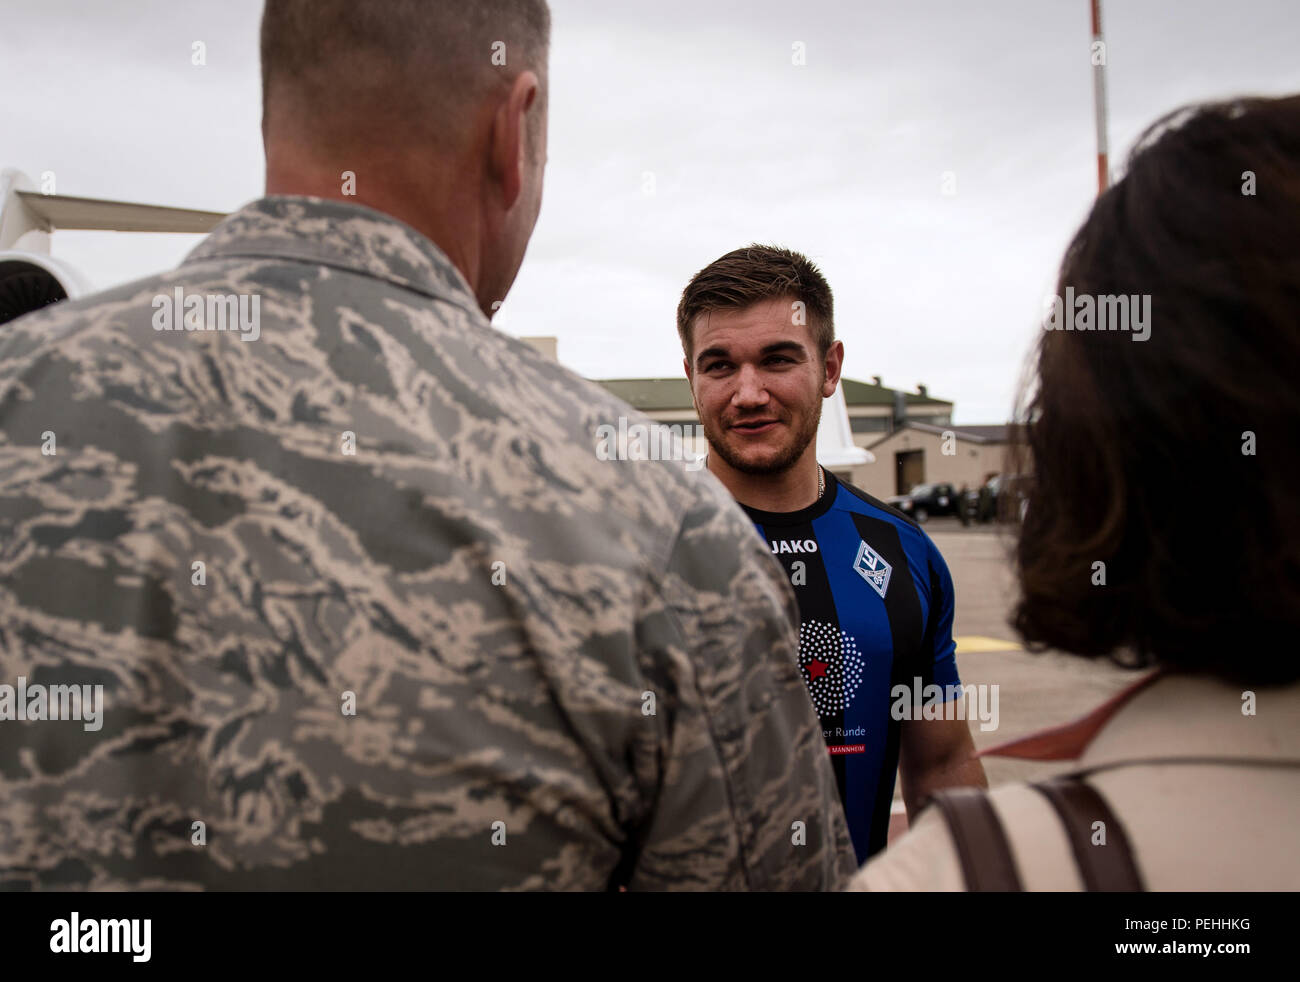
(876, 602)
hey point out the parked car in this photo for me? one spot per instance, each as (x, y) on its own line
(1009, 497)
(925, 500)
(968, 501)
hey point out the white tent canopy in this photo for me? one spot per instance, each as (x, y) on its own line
(835, 448)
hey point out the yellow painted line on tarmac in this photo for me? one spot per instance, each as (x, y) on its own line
(969, 643)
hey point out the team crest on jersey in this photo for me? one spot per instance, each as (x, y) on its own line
(873, 568)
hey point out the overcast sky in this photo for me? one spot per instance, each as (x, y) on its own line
(842, 157)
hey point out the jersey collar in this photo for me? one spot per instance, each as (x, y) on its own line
(804, 515)
(1069, 740)
(1171, 716)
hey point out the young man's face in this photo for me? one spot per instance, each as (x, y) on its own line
(758, 384)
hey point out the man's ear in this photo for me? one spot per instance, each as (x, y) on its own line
(686, 367)
(832, 365)
(509, 140)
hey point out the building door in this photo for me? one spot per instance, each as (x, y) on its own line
(909, 469)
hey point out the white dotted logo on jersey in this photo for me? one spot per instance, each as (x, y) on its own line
(832, 665)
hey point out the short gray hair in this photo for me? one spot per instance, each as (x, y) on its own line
(351, 68)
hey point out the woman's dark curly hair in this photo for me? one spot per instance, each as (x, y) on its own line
(1175, 460)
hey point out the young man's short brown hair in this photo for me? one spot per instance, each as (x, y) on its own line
(751, 275)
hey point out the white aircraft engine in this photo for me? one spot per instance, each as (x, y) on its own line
(30, 278)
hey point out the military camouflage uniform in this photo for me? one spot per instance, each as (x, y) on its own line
(525, 702)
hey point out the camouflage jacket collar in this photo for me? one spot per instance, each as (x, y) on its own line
(340, 234)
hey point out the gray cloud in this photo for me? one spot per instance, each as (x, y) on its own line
(841, 158)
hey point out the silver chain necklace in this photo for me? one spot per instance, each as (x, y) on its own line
(821, 479)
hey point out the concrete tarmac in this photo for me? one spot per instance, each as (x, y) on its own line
(1035, 691)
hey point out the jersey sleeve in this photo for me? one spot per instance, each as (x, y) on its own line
(939, 644)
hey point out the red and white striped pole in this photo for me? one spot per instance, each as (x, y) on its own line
(1098, 52)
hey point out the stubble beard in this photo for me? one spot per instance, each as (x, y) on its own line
(782, 462)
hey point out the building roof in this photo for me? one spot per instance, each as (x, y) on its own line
(651, 394)
(869, 394)
(989, 432)
(981, 433)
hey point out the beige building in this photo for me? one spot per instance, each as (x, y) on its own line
(874, 410)
(923, 453)
(910, 433)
